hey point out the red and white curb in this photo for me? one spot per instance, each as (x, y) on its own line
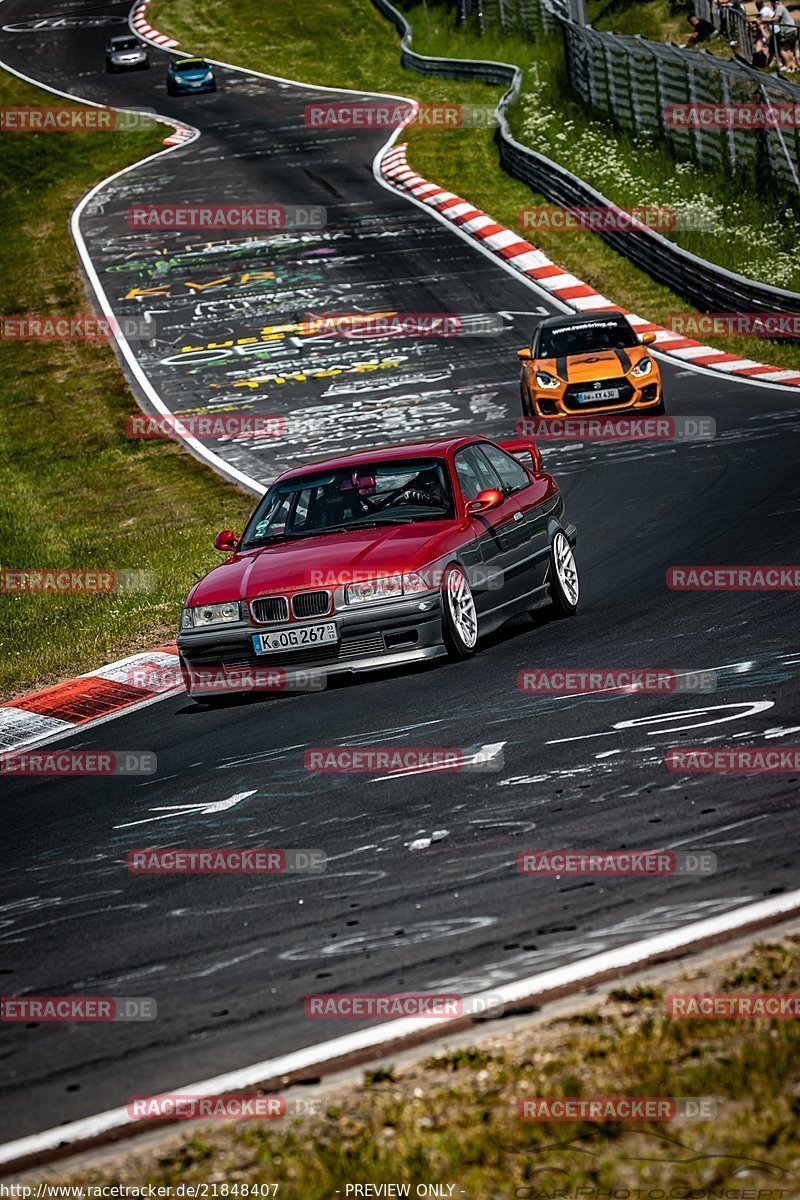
(183, 133)
(522, 256)
(101, 693)
(140, 23)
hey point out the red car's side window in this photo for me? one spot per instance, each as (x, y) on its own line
(513, 476)
(474, 472)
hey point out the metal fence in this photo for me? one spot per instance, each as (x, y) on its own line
(734, 25)
(526, 18)
(707, 286)
(640, 85)
(637, 83)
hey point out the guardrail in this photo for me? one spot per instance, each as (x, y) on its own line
(709, 287)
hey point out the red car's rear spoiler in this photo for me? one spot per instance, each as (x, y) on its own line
(526, 450)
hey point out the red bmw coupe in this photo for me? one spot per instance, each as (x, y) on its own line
(383, 557)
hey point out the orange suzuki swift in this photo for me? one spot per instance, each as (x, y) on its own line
(591, 362)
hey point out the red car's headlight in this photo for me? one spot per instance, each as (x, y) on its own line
(211, 614)
(413, 583)
(375, 589)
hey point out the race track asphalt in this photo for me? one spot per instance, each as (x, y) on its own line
(229, 958)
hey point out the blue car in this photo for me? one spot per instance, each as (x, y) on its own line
(185, 75)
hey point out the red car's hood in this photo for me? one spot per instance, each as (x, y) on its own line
(326, 561)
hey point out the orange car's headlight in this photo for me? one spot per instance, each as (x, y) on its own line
(643, 367)
(543, 380)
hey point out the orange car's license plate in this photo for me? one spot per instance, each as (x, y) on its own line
(598, 394)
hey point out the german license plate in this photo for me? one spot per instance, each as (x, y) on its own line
(300, 637)
(598, 394)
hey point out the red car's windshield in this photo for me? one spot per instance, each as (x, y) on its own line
(352, 497)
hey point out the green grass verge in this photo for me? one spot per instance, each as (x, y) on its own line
(452, 1118)
(748, 235)
(76, 492)
(659, 20)
(364, 55)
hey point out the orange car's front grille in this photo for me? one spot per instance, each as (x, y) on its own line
(571, 401)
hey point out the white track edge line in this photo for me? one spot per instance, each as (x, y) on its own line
(59, 735)
(231, 474)
(373, 1038)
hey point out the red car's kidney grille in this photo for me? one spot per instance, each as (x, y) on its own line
(270, 608)
(311, 604)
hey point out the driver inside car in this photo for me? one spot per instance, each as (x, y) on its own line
(426, 489)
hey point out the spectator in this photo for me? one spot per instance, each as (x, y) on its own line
(703, 30)
(726, 23)
(782, 24)
(762, 42)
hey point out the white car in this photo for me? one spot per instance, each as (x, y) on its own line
(126, 53)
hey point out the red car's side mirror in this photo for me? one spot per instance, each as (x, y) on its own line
(226, 541)
(490, 498)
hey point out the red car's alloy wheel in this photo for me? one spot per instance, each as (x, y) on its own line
(564, 587)
(460, 618)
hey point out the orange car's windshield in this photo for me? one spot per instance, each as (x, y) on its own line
(583, 338)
